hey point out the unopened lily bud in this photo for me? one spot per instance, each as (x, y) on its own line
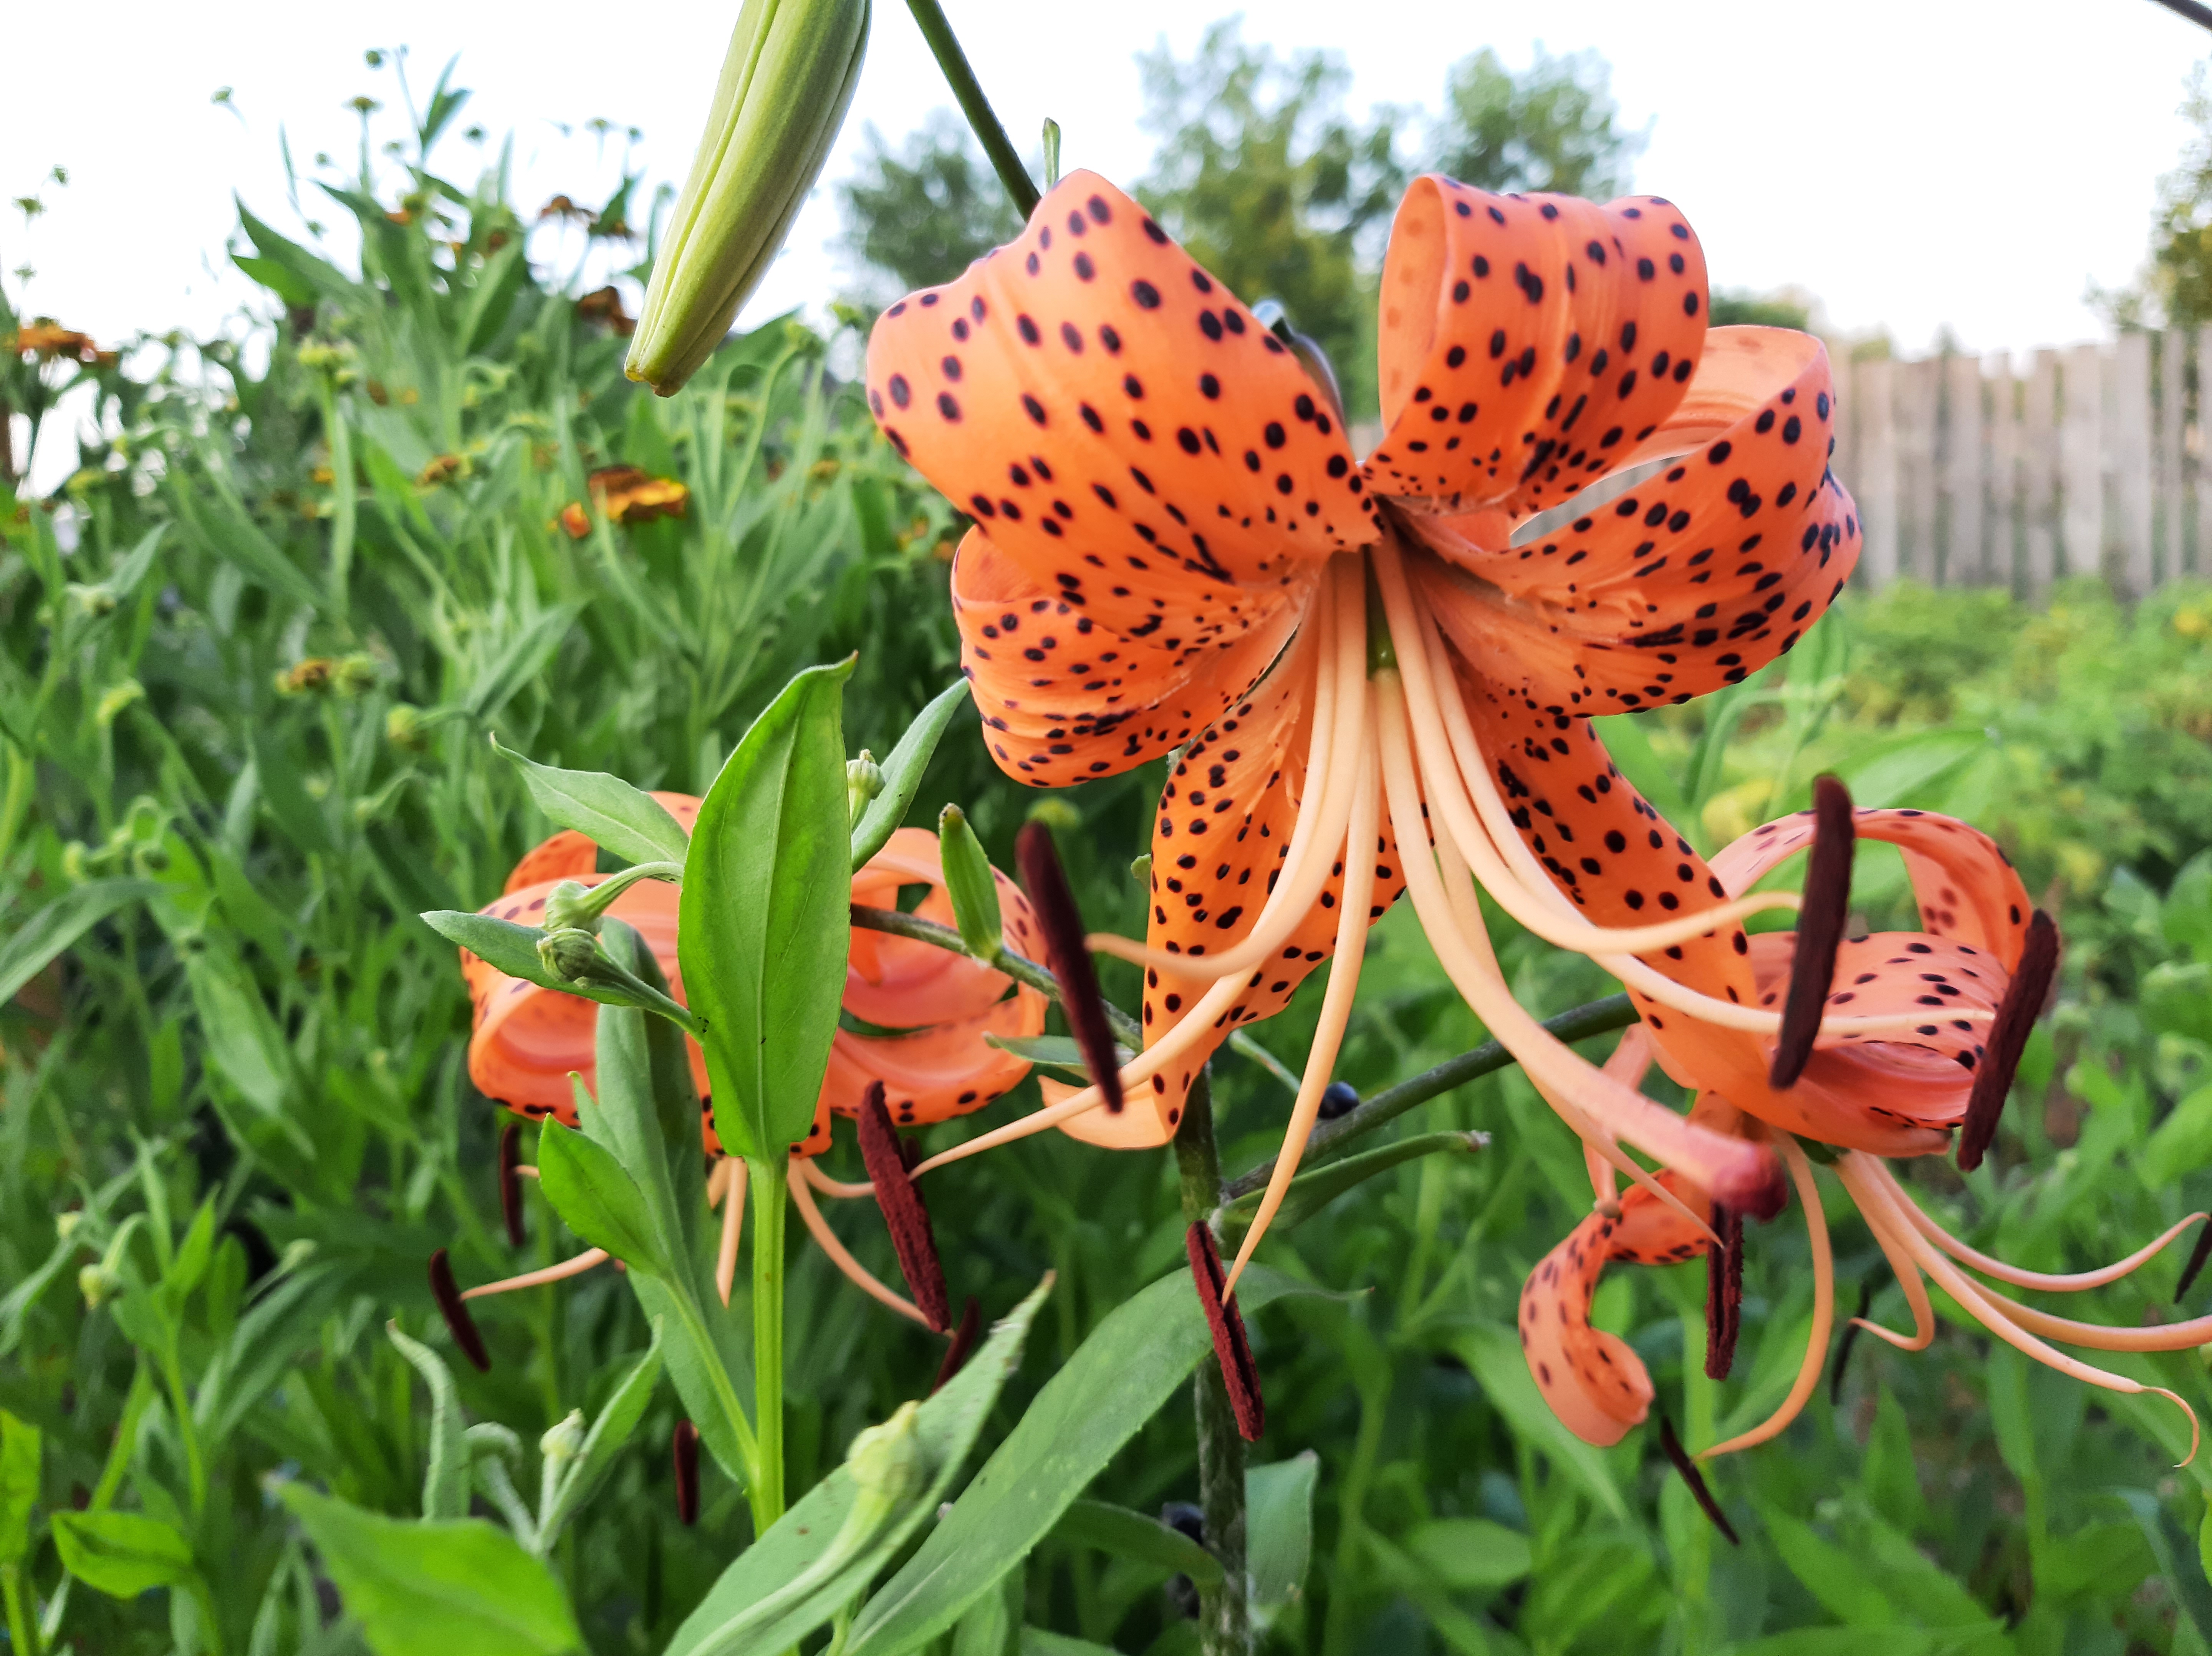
(404, 726)
(65, 1224)
(97, 1282)
(969, 882)
(886, 1461)
(571, 954)
(568, 907)
(784, 91)
(863, 780)
(564, 1439)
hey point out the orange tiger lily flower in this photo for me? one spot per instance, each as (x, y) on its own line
(1898, 1092)
(936, 1009)
(1175, 549)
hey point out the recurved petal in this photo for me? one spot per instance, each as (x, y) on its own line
(1693, 579)
(1108, 411)
(1594, 1382)
(933, 1075)
(1066, 695)
(899, 984)
(1527, 343)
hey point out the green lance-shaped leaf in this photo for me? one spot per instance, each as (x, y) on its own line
(122, 1553)
(1109, 1529)
(515, 950)
(903, 771)
(19, 1485)
(1279, 1532)
(595, 1197)
(1493, 1355)
(765, 919)
(595, 1457)
(1117, 1379)
(432, 1589)
(604, 809)
(785, 87)
(446, 1483)
(1312, 1191)
(945, 1427)
(51, 929)
(969, 882)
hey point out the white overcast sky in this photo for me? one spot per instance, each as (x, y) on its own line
(1916, 164)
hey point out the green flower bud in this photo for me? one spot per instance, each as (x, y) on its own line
(785, 88)
(571, 955)
(969, 882)
(91, 601)
(863, 780)
(115, 700)
(404, 726)
(886, 1461)
(97, 1282)
(568, 908)
(65, 1224)
(563, 1441)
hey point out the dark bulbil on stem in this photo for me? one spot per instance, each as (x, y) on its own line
(1820, 929)
(1069, 958)
(1231, 1346)
(1695, 1479)
(456, 1312)
(685, 1450)
(903, 1210)
(2022, 1006)
(510, 1182)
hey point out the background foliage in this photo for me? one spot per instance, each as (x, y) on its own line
(249, 660)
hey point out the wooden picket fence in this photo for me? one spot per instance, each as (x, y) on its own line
(1968, 473)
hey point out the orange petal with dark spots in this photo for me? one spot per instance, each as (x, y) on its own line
(1692, 580)
(1527, 343)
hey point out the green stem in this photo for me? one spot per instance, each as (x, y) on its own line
(945, 47)
(181, 1400)
(769, 1178)
(20, 1636)
(1225, 1622)
(1577, 1024)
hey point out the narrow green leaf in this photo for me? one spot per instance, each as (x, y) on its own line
(293, 289)
(903, 771)
(520, 661)
(1279, 1532)
(446, 1482)
(764, 921)
(1042, 1641)
(969, 883)
(1310, 1192)
(46, 933)
(426, 1589)
(243, 1039)
(1471, 1554)
(596, 1199)
(1051, 1052)
(122, 1553)
(947, 1426)
(1132, 1362)
(19, 1485)
(1107, 1528)
(1493, 1355)
(2169, 1544)
(606, 809)
(512, 949)
(603, 1443)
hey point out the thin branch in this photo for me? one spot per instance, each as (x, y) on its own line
(945, 47)
(2200, 15)
(1578, 1024)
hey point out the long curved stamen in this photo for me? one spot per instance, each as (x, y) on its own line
(1458, 761)
(1341, 655)
(1352, 919)
(1819, 930)
(575, 1266)
(825, 1238)
(1627, 1065)
(1602, 1111)
(733, 1214)
(1889, 1227)
(2022, 1006)
(2068, 1282)
(1824, 1307)
(843, 1189)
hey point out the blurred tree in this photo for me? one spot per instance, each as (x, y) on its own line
(1271, 186)
(1554, 127)
(1788, 307)
(2181, 239)
(922, 214)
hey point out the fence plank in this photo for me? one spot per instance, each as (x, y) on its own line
(1964, 472)
(2004, 436)
(1873, 383)
(2039, 479)
(2169, 445)
(2082, 463)
(1916, 385)
(2128, 443)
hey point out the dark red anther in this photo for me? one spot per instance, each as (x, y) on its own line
(2016, 1015)
(1724, 1292)
(963, 1343)
(1695, 1479)
(455, 1310)
(903, 1210)
(1231, 1349)
(1851, 1338)
(1069, 958)
(684, 1446)
(2197, 1255)
(510, 1181)
(1820, 929)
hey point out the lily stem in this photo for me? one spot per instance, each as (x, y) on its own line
(945, 47)
(768, 1190)
(1576, 1024)
(1224, 1625)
